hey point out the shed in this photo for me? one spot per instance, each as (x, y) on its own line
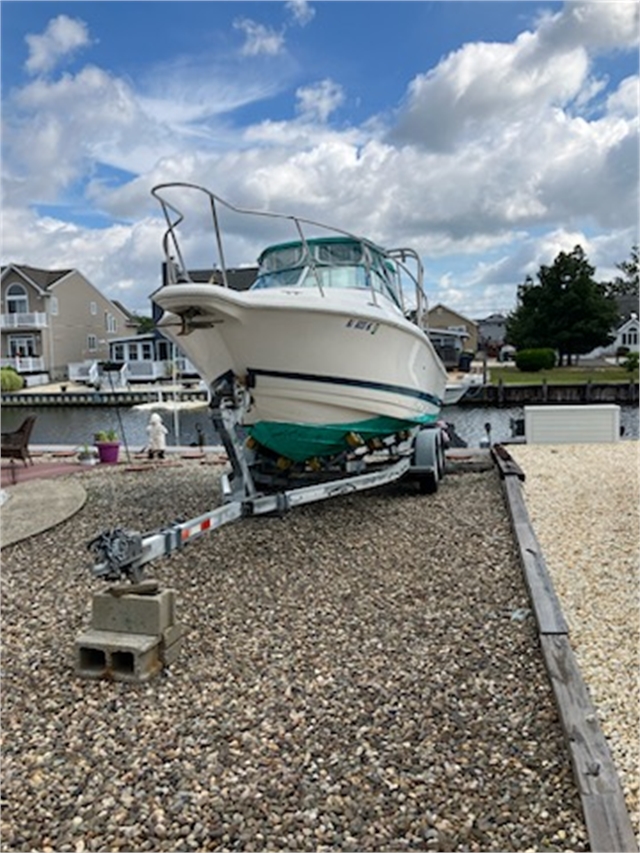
(571, 424)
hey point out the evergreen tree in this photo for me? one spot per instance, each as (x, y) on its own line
(566, 310)
(629, 284)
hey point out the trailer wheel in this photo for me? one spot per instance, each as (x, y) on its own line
(428, 462)
(428, 483)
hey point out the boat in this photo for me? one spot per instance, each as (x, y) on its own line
(328, 348)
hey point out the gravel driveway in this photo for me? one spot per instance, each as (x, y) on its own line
(361, 674)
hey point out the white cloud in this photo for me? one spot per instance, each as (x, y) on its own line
(598, 26)
(495, 141)
(320, 100)
(301, 10)
(259, 39)
(62, 37)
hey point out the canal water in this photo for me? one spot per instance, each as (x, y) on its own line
(77, 425)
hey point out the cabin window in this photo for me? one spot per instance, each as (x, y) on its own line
(282, 259)
(339, 253)
(340, 264)
(340, 276)
(284, 278)
(16, 298)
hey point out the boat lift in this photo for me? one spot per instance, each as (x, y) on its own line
(249, 490)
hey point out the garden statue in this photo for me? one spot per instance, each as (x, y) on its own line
(157, 432)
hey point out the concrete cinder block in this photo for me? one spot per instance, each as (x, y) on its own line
(172, 642)
(118, 655)
(133, 614)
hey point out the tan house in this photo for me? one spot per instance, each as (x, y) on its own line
(50, 318)
(441, 317)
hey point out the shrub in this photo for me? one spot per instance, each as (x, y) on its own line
(631, 362)
(532, 360)
(10, 380)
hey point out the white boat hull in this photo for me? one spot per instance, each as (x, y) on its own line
(308, 360)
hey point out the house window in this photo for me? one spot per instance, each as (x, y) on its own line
(164, 353)
(54, 306)
(147, 351)
(133, 352)
(17, 302)
(109, 322)
(118, 352)
(92, 343)
(21, 346)
(630, 338)
(94, 308)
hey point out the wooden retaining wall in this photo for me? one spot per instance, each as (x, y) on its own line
(584, 392)
(603, 804)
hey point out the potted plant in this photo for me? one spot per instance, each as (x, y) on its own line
(108, 446)
(87, 455)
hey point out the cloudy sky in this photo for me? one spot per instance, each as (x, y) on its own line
(487, 135)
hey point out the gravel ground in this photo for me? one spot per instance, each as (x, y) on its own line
(361, 674)
(584, 503)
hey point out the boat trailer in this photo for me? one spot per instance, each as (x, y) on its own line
(247, 490)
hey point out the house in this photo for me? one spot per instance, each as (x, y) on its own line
(625, 337)
(451, 333)
(492, 332)
(52, 317)
(148, 357)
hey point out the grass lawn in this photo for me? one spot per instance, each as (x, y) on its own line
(510, 375)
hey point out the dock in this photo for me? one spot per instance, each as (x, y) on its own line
(79, 395)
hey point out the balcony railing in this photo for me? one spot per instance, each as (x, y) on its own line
(31, 320)
(24, 363)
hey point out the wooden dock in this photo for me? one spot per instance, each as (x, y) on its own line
(27, 399)
(603, 804)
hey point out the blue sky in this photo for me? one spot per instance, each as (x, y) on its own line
(487, 135)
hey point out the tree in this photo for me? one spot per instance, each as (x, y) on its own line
(566, 310)
(629, 285)
(143, 324)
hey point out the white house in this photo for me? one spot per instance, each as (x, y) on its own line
(626, 335)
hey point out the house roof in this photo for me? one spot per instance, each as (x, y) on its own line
(43, 279)
(627, 305)
(451, 311)
(492, 318)
(239, 278)
(124, 310)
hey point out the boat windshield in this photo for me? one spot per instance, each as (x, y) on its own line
(328, 264)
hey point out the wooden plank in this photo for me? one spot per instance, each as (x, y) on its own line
(505, 462)
(603, 802)
(544, 601)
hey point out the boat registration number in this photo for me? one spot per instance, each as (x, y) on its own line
(363, 325)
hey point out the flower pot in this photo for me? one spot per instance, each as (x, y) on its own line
(108, 451)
